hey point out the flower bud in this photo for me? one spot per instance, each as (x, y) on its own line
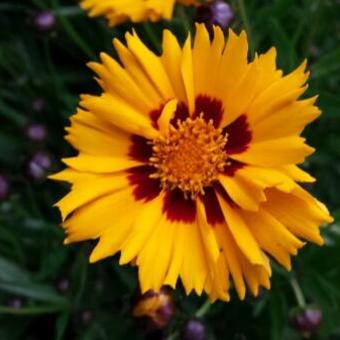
(4, 188)
(194, 330)
(38, 104)
(308, 321)
(86, 316)
(215, 13)
(37, 166)
(36, 132)
(15, 303)
(63, 285)
(44, 21)
(156, 308)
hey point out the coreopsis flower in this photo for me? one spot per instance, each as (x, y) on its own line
(118, 11)
(187, 164)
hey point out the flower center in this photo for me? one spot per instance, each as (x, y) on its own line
(190, 156)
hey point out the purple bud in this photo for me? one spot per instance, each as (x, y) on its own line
(44, 21)
(86, 316)
(4, 188)
(215, 13)
(38, 104)
(38, 166)
(314, 318)
(63, 285)
(36, 132)
(194, 330)
(15, 303)
(308, 321)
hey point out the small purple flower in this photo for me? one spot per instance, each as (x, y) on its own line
(38, 104)
(63, 285)
(36, 132)
(38, 166)
(44, 21)
(15, 303)
(194, 330)
(307, 321)
(215, 13)
(86, 316)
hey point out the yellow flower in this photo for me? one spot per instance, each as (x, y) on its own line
(118, 11)
(187, 164)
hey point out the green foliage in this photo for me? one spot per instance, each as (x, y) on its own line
(97, 303)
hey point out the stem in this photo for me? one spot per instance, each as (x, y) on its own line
(152, 36)
(246, 23)
(182, 14)
(203, 309)
(68, 11)
(73, 33)
(298, 292)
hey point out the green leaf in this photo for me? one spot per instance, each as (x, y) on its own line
(61, 325)
(30, 310)
(327, 64)
(10, 272)
(35, 291)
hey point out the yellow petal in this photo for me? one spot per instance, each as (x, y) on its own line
(290, 120)
(273, 236)
(297, 174)
(171, 59)
(243, 237)
(124, 85)
(276, 152)
(154, 260)
(232, 259)
(166, 116)
(120, 113)
(188, 74)
(152, 66)
(207, 235)
(146, 220)
(243, 191)
(300, 216)
(88, 190)
(279, 94)
(179, 247)
(106, 139)
(99, 164)
(137, 73)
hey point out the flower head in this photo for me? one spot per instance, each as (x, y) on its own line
(117, 11)
(187, 164)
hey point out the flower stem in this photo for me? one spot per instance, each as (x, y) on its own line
(151, 33)
(68, 11)
(245, 19)
(185, 21)
(298, 292)
(203, 309)
(72, 33)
